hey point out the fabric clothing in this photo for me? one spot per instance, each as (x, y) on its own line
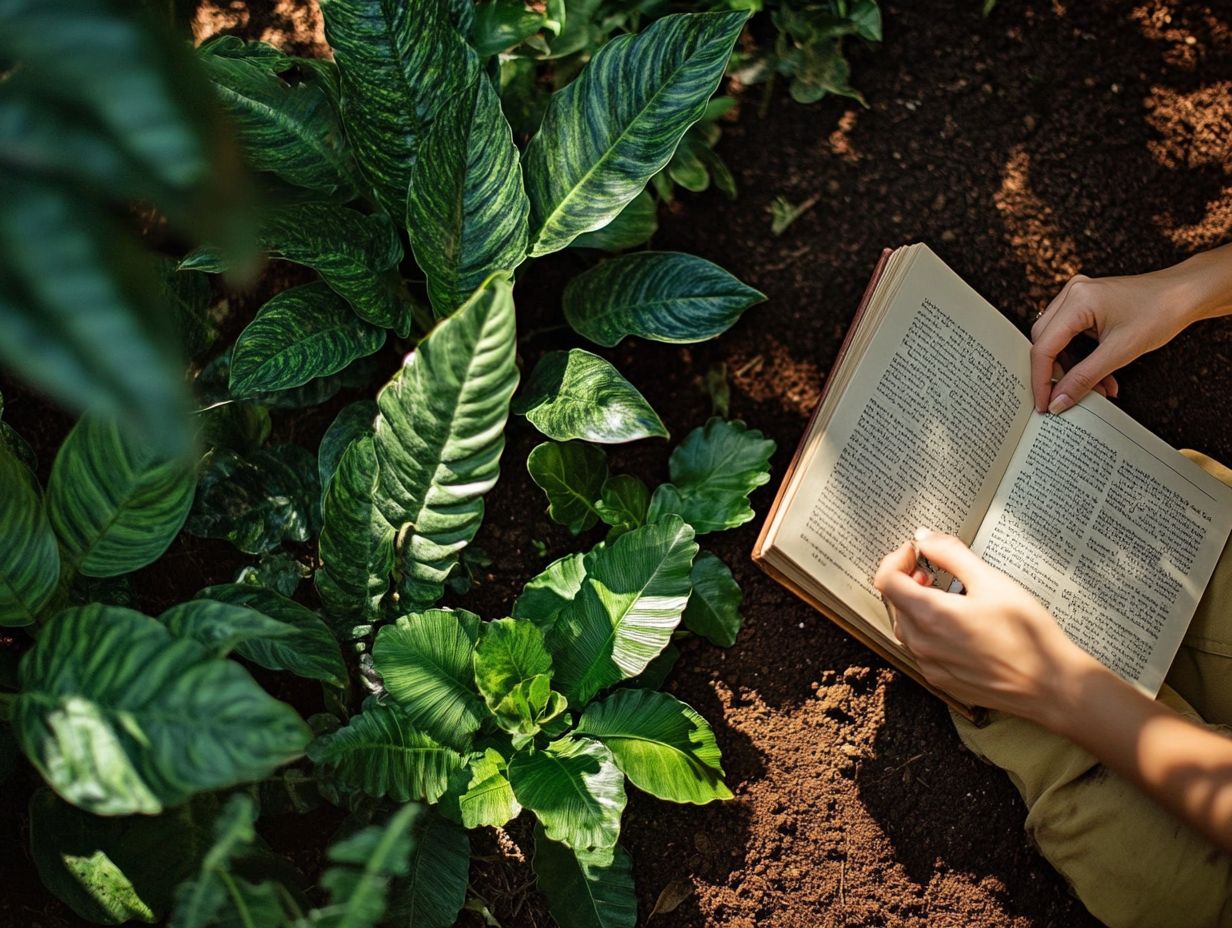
(1132, 864)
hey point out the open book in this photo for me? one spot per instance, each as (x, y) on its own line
(927, 419)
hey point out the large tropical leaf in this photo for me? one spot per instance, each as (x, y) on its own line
(545, 595)
(434, 889)
(713, 471)
(575, 789)
(356, 254)
(363, 866)
(628, 606)
(509, 652)
(635, 225)
(664, 746)
(381, 753)
(467, 209)
(572, 475)
(29, 557)
(582, 892)
(663, 296)
(714, 606)
(425, 660)
(352, 421)
(576, 394)
(618, 123)
(120, 716)
(399, 63)
(480, 794)
(221, 626)
(301, 334)
(115, 503)
(310, 651)
(623, 503)
(440, 435)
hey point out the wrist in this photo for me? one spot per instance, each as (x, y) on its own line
(1069, 689)
(1199, 287)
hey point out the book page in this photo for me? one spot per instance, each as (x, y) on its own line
(921, 436)
(1113, 531)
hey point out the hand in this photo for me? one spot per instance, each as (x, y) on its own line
(995, 646)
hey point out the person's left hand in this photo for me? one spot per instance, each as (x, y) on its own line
(994, 646)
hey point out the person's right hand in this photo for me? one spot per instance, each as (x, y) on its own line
(1128, 316)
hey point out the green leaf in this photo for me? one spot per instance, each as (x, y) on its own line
(663, 746)
(432, 894)
(629, 604)
(575, 789)
(618, 123)
(576, 394)
(353, 420)
(481, 794)
(357, 544)
(714, 607)
(623, 502)
(440, 436)
(467, 209)
(399, 63)
(713, 471)
(663, 296)
(287, 129)
(543, 598)
(258, 500)
(311, 651)
(582, 892)
(301, 334)
(382, 753)
(277, 571)
(364, 865)
(509, 652)
(572, 475)
(633, 226)
(425, 660)
(115, 503)
(357, 255)
(188, 295)
(502, 24)
(220, 627)
(119, 716)
(29, 557)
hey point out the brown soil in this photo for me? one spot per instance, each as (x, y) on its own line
(1051, 138)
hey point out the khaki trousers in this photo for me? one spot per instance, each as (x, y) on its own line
(1132, 864)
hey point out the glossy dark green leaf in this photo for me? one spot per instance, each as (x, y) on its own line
(714, 607)
(120, 716)
(310, 651)
(575, 790)
(115, 503)
(364, 864)
(30, 556)
(219, 626)
(431, 896)
(467, 209)
(502, 24)
(440, 436)
(663, 296)
(353, 420)
(618, 123)
(623, 501)
(399, 64)
(582, 892)
(713, 471)
(257, 500)
(357, 255)
(576, 394)
(635, 225)
(277, 571)
(301, 334)
(572, 475)
(547, 594)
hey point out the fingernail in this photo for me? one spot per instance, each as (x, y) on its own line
(1060, 404)
(923, 534)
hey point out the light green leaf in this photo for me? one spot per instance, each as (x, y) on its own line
(115, 503)
(480, 794)
(357, 255)
(432, 894)
(301, 334)
(635, 225)
(547, 594)
(663, 296)
(425, 660)
(623, 502)
(575, 789)
(582, 892)
(714, 607)
(311, 651)
(618, 123)
(221, 626)
(364, 865)
(509, 652)
(572, 475)
(630, 603)
(399, 63)
(29, 557)
(382, 753)
(353, 420)
(663, 746)
(440, 436)
(467, 209)
(502, 24)
(119, 716)
(713, 471)
(576, 394)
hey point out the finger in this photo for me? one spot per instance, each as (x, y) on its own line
(951, 555)
(899, 561)
(1112, 389)
(1100, 389)
(1044, 353)
(1082, 378)
(910, 600)
(1053, 307)
(922, 577)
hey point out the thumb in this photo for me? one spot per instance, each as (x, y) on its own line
(951, 555)
(1081, 379)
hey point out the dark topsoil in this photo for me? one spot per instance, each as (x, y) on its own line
(1046, 140)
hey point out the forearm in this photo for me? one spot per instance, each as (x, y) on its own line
(1201, 286)
(1185, 767)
